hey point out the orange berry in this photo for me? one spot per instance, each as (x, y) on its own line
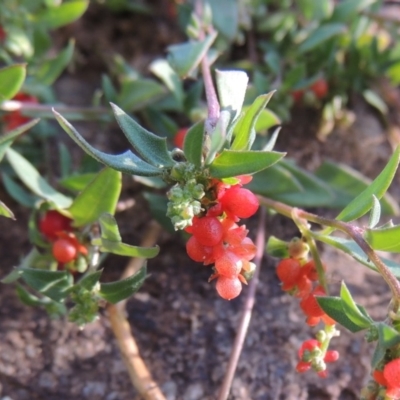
(228, 288)
(64, 251)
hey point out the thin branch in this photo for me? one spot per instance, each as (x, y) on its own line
(138, 372)
(354, 232)
(247, 311)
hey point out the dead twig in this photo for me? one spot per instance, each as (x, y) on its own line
(138, 372)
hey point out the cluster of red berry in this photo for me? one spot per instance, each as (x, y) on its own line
(15, 119)
(389, 378)
(319, 88)
(297, 277)
(218, 239)
(312, 356)
(57, 229)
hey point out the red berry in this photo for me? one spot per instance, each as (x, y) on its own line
(239, 202)
(320, 88)
(52, 223)
(304, 286)
(308, 346)
(179, 137)
(207, 230)
(323, 374)
(64, 251)
(196, 251)
(309, 270)
(15, 119)
(297, 95)
(228, 265)
(288, 271)
(228, 288)
(303, 366)
(331, 356)
(379, 378)
(391, 373)
(3, 34)
(310, 306)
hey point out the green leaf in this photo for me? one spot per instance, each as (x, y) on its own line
(51, 69)
(352, 309)
(11, 80)
(53, 284)
(333, 306)
(193, 144)
(114, 292)
(18, 193)
(77, 183)
(64, 14)
(346, 10)
(225, 15)
(28, 298)
(373, 99)
(217, 139)
(150, 147)
(7, 139)
(232, 163)
(90, 280)
(384, 239)
(100, 196)
(32, 179)
(348, 183)
(388, 337)
(266, 120)
(244, 130)
(110, 241)
(316, 10)
(363, 202)
(375, 214)
(277, 248)
(163, 71)
(5, 211)
(320, 35)
(378, 356)
(126, 162)
(231, 86)
(185, 57)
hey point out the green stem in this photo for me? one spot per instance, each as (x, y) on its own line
(354, 232)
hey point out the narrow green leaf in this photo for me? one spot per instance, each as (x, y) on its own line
(316, 10)
(266, 120)
(373, 99)
(384, 239)
(185, 57)
(333, 306)
(53, 284)
(346, 10)
(32, 179)
(18, 193)
(7, 139)
(64, 14)
(363, 202)
(162, 69)
(272, 140)
(114, 292)
(126, 162)
(320, 35)
(232, 163)
(351, 308)
(244, 130)
(193, 144)
(277, 248)
(388, 336)
(378, 356)
(218, 138)
(77, 182)
(110, 241)
(90, 280)
(51, 69)
(11, 80)
(375, 214)
(5, 211)
(100, 196)
(231, 86)
(151, 147)
(28, 298)
(348, 183)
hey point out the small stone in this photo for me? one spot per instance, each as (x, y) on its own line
(94, 389)
(194, 392)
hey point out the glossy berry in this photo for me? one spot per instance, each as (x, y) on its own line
(303, 366)
(52, 223)
(228, 265)
(391, 373)
(320, 88)
(308, 346)
(310, 271)
(208, 231)
(239, 202)
(228, 288)
(179, 137)
(288, 271)
(64, 251)
(297, 95)
(331, 356)
(379, 378)
(196, 251)
(310, 306)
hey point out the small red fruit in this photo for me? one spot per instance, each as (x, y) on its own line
(391, 373)
(64, 251)
(308, 346)
(239, 202)
(179, 137)
(196, 251)
(379, 378)
(320, 88)
(52, 223)
(297, 95)
(303, 366)
(288, 271)
(207, 230)
(3, 34)
(15, 119)
(228, 265)
(310, 306)
(331, 356)
(228, 288)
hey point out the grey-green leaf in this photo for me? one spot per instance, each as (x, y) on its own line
(193, 144)
(321, 34)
